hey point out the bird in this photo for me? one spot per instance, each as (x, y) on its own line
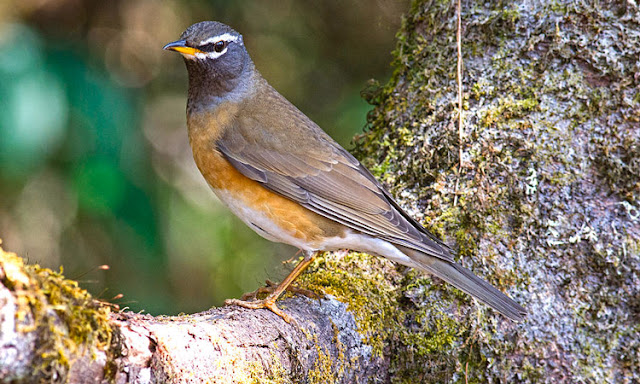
(289, 181)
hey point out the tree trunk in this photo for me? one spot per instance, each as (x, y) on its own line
(544, 199)
(539, 194)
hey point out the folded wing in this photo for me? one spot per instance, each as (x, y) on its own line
(323, 177)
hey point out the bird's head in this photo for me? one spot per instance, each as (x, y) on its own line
(215, 56)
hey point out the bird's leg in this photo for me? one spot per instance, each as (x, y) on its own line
(270, 301)
(271, 286)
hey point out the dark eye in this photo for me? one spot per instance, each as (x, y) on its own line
(219, 46)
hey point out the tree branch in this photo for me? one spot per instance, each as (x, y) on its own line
(228, 344)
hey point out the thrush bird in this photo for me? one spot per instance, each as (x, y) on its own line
(284, 177)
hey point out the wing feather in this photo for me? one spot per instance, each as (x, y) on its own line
(324, 178)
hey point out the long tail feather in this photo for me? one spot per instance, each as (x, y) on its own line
(466, 281)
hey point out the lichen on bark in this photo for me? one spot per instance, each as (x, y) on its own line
(547, 192)
(63, 321)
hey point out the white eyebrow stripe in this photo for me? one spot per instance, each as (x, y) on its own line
(223, 37)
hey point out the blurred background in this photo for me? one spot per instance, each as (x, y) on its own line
(95, 166)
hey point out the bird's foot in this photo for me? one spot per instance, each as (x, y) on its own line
(276, 290)
(271, 287)
(268, 303)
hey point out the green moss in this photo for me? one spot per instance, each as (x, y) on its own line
(358, 280)
(257, 374)
(619, 163)
(323, 368)
(507, 109)
(388, 307)
(552, 164)
(68, 320)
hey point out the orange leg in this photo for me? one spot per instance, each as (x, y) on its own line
(271, 286)
(270, 301)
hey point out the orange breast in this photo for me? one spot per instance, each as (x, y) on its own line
(287, 216)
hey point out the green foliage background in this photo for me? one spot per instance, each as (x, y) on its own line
(95, 167)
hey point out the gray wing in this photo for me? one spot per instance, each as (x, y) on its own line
(304, 164)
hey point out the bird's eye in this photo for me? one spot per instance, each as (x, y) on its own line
(219, 46)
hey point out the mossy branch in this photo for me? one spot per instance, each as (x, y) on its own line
(54, 331)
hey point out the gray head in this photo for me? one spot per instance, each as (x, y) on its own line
(216, 59)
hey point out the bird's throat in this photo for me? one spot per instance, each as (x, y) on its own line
(210, 88)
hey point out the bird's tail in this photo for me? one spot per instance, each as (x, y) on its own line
(466, 281)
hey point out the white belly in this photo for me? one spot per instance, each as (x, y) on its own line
(352, 240)
(259, 222)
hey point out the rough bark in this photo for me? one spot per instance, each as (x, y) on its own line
(53, 331)
(544, 202)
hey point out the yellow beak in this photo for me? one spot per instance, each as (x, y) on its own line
(181, 47)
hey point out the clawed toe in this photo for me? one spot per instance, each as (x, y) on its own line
(275, 291)
(268, 303)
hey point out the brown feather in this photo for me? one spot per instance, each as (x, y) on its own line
(220, 174)
(291, 155)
